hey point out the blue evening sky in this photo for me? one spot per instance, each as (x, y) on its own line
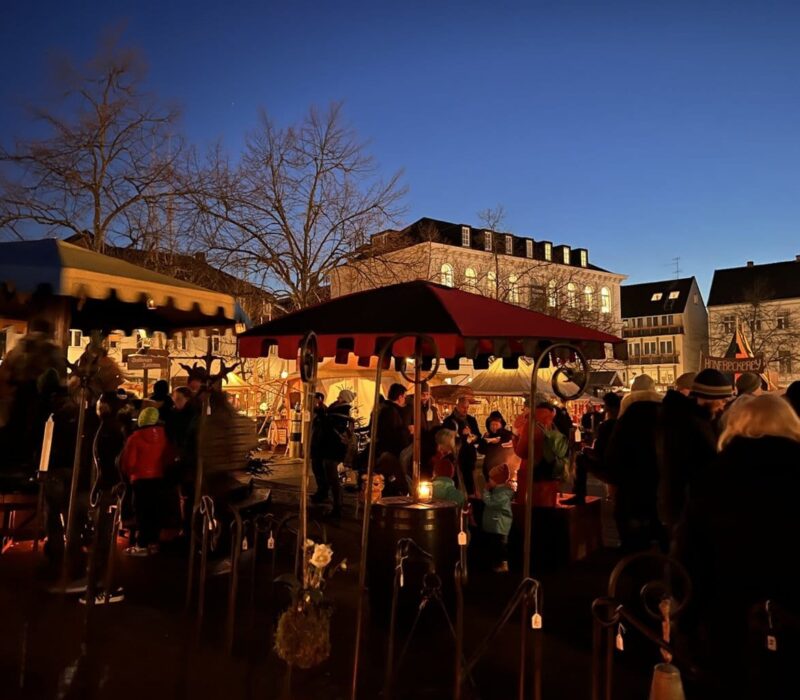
(640, 130)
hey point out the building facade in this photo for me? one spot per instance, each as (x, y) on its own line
(666, 327)
(765, 301)
(537, 274)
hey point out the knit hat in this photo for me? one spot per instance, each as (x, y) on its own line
(748, 383)
(160, 390)
(424, 388)
(712, 384)
(499, 474)
(346, 396)
(444, 467)
(685, 381)
(148, 416)
(495, 416)
(643, 382)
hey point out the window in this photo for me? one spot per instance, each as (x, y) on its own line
(634, 349)
(785, 362)
(529, 249)
(465, 240)
(656, 297)
(783, 320)
(667, 320)
(75, 339)
(666, 347)
(655, 320)
(639, 322)
(380, 239)
(625, 322)
(755, 325)
(183, 343)
(487, 240)
(728, 324)
(548, 251)
(695, 298)
(667, 376)
(552, 294)
(588, 297)
(491, 284)
(572, 296)
(649, 347)
(509, 245)
(605, 300)
(447, 275)
(584, 258)
(470, 279)
(513, 289)
(566, 255)
(215, 340)
(675, 295)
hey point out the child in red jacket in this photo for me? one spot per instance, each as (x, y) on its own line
(143, 461)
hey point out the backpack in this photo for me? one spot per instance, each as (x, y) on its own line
(553, 463)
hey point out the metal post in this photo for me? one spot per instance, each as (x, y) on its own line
(73, 489)
(417, 421)
(308, 374)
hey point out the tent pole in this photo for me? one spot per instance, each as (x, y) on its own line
(308, 374)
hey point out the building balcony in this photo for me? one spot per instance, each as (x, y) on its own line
(651, 331)
(672, 359)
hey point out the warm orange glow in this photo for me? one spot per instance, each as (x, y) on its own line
(425, 492)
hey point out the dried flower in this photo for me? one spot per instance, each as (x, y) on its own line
(322, 556)
(310, 544)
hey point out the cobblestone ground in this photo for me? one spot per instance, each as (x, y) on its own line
(147, 648)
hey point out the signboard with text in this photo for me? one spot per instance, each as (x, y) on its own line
(147, 362)
(736, 365)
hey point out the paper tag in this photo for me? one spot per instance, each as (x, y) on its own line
(620, 643)
(536, 621)
(402, 582)
(271, 542)
(462, 539)
(306, 416)
(208, 410)
(772, 643)
(244, 544)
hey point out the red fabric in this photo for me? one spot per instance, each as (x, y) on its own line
(544, 417)
(461, 324)
(146, 454)
(443, 465)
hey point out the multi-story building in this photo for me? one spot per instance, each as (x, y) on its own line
(666, 327)
(556, 279)
(765, 301)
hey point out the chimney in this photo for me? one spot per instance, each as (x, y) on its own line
(797, 258)
(749, 263)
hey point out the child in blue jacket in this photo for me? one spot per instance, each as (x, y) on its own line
(497, 515)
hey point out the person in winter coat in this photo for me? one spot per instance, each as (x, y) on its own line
(444, 488)
(144, 461)
(738, 540)
(445, 452)
(336, 434)
(431, 421)
(546, 438)
(393, 435)
(632, 461)
(317, 456)
(496, 442)
(466, 428)
(161, 399)
(497, 515)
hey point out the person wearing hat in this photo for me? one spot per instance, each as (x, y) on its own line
(748, 384)
(688, 437)
(497, 515)
(161, 398)
(466, 427)
(143, 462)
(337, 432)
(444, 488)
(643, 388)
(431, 421)
(685, 382)
(496, 443)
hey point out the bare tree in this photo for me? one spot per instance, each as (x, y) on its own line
(302, 202)
(492, 218)
(106, 166)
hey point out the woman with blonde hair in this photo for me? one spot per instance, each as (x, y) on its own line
(738, 538)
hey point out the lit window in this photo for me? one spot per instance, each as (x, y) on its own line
(572, 295)
(509, 245)
(529, 249)
(447, 275)
(674, 295)
(783, 320)
(656, 297)
(513, 289)
(548, 251)
(465, 241)
(566, 255)
(491, 284)
(605, 300)
(584, 258)
(487, 240)
(728, 324)
(552, 294)
(470, 278)
(215, 343)
(588, 296)
(75, 339)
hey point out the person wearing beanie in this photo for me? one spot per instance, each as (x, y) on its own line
(444, 488)
(430, 421)
(496, 444)
(685, 382)
(161, 399)
(643, 388)
(144, 461)
(713, 389)
(748, 383)
(346, 396)
(497, 515)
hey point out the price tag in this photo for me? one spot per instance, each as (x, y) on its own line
(620, 642)
(536, 621)
(244, 544)
(772, 643)
(462, 539)
(402, 581)
(271, 541)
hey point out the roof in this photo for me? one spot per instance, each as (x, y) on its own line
(742, 285)
(498, 381)
(461, 323)
(643, 300)
(427, 230)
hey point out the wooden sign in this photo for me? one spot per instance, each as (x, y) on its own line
(147, 362)
(736, 365)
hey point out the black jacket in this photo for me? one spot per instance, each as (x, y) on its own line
(108, 444)
(467, 453)
(336, 432)
(393, 434)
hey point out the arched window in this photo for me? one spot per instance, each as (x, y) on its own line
(513, 289)
(605, 300)
(552, 294)
(491, 285)
(470, 279)
(572, 295)
(588, 297)
(447, 275)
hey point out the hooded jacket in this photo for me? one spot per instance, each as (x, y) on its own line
(146, 454)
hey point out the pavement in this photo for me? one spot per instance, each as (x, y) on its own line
(147, 647)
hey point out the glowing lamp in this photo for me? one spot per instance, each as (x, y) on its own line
(425, 492)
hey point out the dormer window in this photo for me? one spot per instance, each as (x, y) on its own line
(465, 238)
(548, 251)
(528, 249)
(656, 297)
(487, 240)
(584, 259)
(566, 255)
(674, 295)
(380, 239)
(509, 245)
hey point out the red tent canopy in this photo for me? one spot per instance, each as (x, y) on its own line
(461, 323)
